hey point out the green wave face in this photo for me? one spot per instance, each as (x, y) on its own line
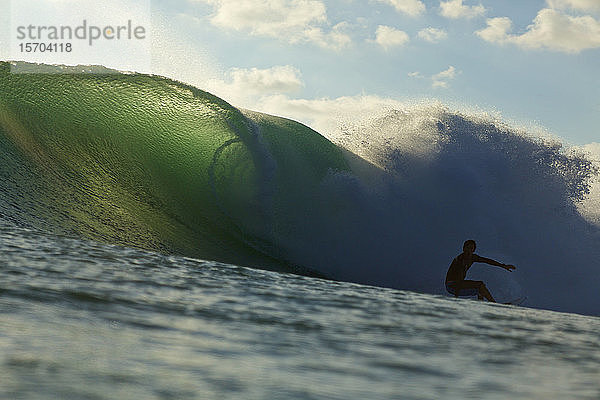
(144, 161)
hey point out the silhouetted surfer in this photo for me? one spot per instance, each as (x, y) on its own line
(455, 278)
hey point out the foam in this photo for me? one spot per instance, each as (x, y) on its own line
(429, 178)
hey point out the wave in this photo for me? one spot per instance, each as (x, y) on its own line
(149, 162)
(144, 161)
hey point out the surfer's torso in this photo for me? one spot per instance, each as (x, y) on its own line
(460, 265)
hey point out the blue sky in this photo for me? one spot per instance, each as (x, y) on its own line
(542, 69)
(534, 61)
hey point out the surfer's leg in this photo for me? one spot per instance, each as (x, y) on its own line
(483, 290)
(468, 288)
(480, 289)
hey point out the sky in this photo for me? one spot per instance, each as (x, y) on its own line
(532, 62)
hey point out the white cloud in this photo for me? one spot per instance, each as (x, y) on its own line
(388, 37)
(326, 114)
(550, 30)
(455, 9)
(278, 79)
(336, 39)
(496, 31)
(269, 17)
(441, 79)
(307, 108)
(432, 35)
(450, 73)
(440, 84)
(582, 5)
(291, 20)
(410, 7)
(244, 86)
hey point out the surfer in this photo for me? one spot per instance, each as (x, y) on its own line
(455, 278)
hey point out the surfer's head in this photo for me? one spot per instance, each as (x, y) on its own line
(469, 246)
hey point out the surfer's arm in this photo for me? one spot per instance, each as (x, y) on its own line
(494, 263)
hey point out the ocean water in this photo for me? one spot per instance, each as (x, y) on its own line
(157, 242)
(83, 320)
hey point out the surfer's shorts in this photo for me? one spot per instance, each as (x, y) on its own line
(451, 288)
